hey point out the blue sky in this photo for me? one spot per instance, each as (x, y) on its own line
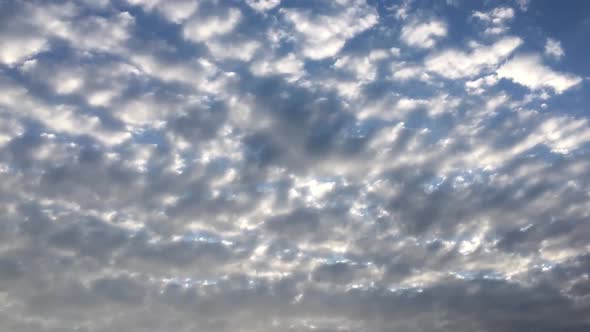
(287, 165)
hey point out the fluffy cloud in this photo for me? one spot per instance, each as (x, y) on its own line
(454, 63)
(287, 65)
(495, 16)
(321, 36)
(423, 34)
(29, 31)
(204, 28)
(175, 10)
(495, 19)
(263, 5)
(528, 70)
(16, 51)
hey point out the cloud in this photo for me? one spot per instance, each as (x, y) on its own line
(478, 86)
(454, 63)
(495, 19)
(365, 68)
(176, 11)
(529, 71)
(16, 51)
(423, 35)
(287, 65)
(322, 36)
(288, 166)
(495, 16)
(27, 37)
(553, 48)
(205, 27)
(263, 5)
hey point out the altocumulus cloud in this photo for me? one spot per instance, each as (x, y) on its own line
(282, 165)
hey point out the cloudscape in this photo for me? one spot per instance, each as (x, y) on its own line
(294, 165)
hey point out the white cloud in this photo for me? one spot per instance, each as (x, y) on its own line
(17, 50)
(178, 11)
(553, 48)
(322, 36)
(454, 63)
(94, 33)
(58, 118)
(364, 67)
(240, 50)
(24, 38)
(495, 19)
(202, 74)
(435, 106)
(263, 5)
(174, 174)
(201, 29)
(65, 84)
(495, 16)
(478, 86)
(173, 10)
(215, 31)
(564, 134)
(404, 71)
(423, 34)
(287, 65)
(528, 70)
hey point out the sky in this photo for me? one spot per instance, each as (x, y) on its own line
(294, 165)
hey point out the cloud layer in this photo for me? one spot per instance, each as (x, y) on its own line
(277, 165)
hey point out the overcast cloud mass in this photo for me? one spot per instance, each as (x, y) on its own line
(290, 165)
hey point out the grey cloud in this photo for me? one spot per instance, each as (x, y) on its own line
(119, 289)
